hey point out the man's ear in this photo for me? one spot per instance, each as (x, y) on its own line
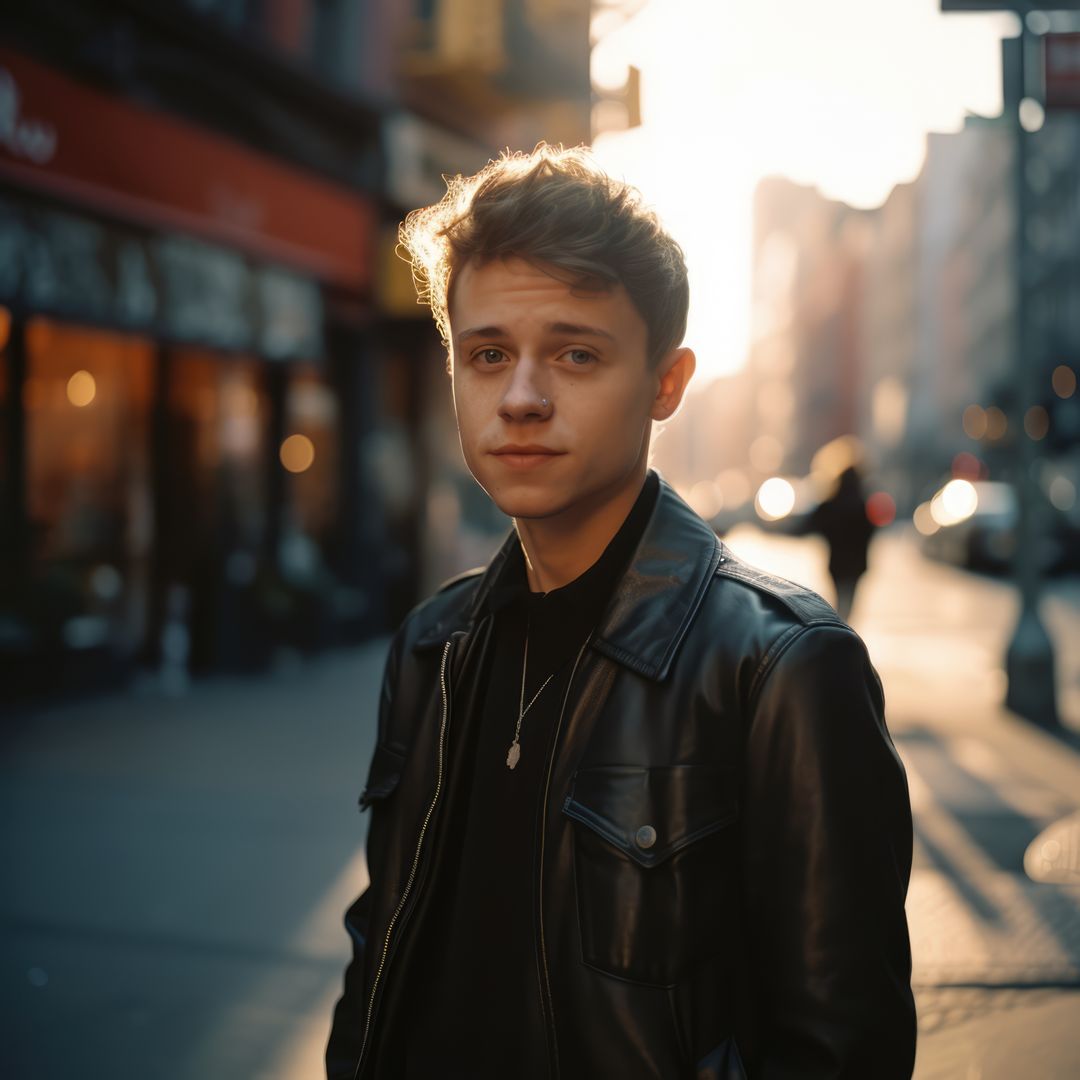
(674, 372)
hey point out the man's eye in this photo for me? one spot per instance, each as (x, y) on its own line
(490, 356)
(580, 357)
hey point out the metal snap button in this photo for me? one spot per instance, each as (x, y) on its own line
(645, 837)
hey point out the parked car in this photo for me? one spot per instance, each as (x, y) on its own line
(986, 538)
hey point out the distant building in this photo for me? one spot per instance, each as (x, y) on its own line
(805, 358)
(898, 325)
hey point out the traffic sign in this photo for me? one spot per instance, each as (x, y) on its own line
(1061, 70)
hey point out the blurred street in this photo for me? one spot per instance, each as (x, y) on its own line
(177, 868)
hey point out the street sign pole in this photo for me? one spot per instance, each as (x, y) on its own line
(1029, 660)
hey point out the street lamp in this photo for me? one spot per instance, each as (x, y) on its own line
(1029, 661)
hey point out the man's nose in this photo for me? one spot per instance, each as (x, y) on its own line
(526, 396)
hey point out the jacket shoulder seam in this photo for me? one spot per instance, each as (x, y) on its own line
(809, 607)
(782, 644)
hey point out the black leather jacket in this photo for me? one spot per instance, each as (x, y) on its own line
(724, 839)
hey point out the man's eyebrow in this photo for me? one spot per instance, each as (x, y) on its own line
(574, 329)
(578, 330)
(484, 331)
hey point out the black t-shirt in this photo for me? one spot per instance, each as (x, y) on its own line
(474, 992)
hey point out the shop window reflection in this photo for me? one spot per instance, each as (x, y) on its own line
(87, 403)
(308, 454)
(212, 503)
(7, 510)
(312, 416)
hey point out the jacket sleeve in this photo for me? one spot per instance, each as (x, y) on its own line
(347, 1029)
(827, 857)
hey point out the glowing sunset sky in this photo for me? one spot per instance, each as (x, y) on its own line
(836, 93)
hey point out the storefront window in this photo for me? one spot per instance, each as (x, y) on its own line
(308, 453)
(87, 406)
(6, 465)
(5, 405)
(213, 503)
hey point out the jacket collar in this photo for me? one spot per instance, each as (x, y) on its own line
(655, 601)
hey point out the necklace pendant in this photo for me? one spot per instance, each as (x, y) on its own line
(514, 755)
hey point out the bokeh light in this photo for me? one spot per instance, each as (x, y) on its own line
(881, 509)
(1032, 115)
(1061, 493)
(954, 503)
(1063, 381)
(974, 422)
(775, 499)
(924, 521)
(967, 466)
(81, 389)
(1036, 422)
(997, 425)
(297, 453)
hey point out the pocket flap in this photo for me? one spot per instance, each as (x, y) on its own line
(649, 814)
(383, 776)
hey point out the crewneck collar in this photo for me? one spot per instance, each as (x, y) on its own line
(599, 580)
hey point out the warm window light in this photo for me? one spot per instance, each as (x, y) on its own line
(297, 453)
(1036, 422)
(1063, 381)
(996, 424)
(81, 389)
(974, 422)
(5, 327)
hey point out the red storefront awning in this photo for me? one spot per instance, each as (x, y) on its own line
(60, 137)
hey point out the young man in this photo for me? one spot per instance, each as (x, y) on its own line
(635, 810)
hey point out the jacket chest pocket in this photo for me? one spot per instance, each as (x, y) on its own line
(654, 867)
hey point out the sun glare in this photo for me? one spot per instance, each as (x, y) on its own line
(838, 94)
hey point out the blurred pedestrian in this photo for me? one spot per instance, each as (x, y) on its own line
(842, 520)
(635, 811)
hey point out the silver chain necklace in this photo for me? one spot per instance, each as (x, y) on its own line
(513, 756)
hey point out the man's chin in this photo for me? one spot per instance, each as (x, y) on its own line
(526, 500)
(526, 507)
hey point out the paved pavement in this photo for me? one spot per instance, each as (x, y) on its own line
(996, 955)
(181, 866)
(177, 867)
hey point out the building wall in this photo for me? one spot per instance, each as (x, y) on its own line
(898, 320)
(278, 405)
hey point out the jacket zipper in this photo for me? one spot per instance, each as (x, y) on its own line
(547, 1001)
(439, 769)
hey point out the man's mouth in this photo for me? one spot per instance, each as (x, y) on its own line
(525, 455)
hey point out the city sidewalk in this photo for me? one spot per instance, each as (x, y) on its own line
(179, 866)
(996, 956)
(176, 873)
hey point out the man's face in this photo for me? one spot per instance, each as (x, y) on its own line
(519, 337)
